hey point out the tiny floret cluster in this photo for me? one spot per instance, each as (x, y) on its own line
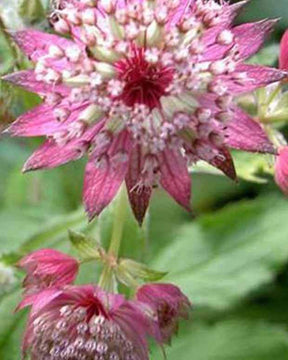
(146, 88)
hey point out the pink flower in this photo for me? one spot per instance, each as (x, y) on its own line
(283, 58)
(83, 323)
(281, 169)
(169, 303)
(48, 268)
(145, 91)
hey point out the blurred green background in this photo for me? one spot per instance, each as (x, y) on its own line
(230, 256)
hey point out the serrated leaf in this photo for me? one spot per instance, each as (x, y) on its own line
(220, 258)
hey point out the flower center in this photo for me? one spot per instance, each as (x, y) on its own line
(145, 82)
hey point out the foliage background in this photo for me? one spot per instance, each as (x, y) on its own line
(230, 257)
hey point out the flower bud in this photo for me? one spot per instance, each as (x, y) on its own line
(283, 57)
(168, 302)
(281, 169)
(48, 268)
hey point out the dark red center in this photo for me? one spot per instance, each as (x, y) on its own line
(145, 82)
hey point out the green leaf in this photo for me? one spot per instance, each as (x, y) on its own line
(261, 9)
(12, 326)
(221, 258)
(50, 234)
(230, 340)
(31, 10)
(253, 167)
(85, 246)
(267, 56)
(140, 271)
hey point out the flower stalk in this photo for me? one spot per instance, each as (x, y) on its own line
(107, 279)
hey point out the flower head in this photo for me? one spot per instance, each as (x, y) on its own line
(83, 323)
(169, 304)
(281, 169)
(48, 268)
(146, 88)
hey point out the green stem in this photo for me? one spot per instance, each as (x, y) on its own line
(107, 279)
(118, 224)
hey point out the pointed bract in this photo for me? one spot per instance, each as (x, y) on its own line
(224, 162)
(250, 37)
(27, 79)
(174, 177)
(139, 196)
(244, 133)
(104, 175)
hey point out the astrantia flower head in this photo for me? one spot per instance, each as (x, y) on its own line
(48, 268)
(146, 88)
(168, 303)
(85, 323)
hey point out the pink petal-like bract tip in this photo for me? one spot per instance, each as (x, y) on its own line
(47, 268)
(144, 108)
(84, 322)
(169, 304)
(281, 169)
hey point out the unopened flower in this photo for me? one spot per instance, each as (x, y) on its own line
(283, 57)
(83, 323)
(47, 268)
(169, 304)
(281, 169)
(145, 88)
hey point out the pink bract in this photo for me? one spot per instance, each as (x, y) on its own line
(47, 268)
(281, 169)
(84, 322)
(169, 304)
(145, 90)
(283, 57)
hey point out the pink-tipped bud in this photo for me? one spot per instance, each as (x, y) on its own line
(48, 268)
(281, 169)
(169, 304)
(89, 16)
(61, 26)
(283, 57)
